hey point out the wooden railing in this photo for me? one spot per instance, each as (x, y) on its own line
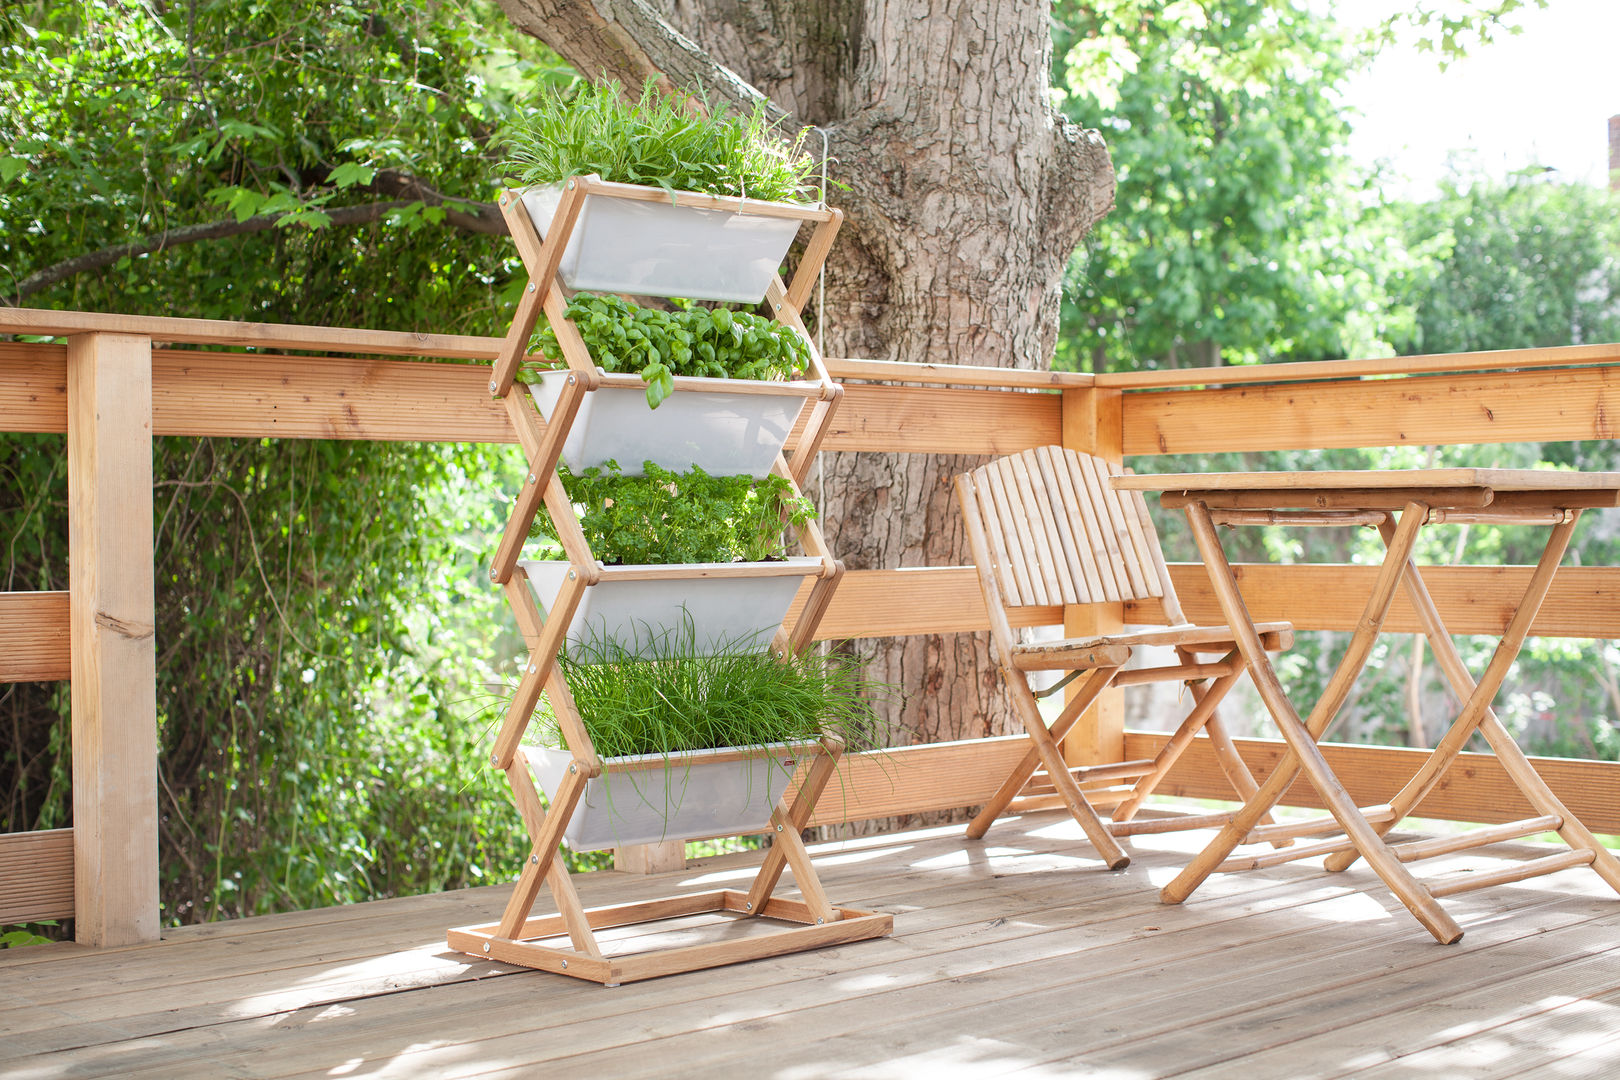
(98, 634)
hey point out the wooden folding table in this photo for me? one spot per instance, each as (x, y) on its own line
(1399, 504)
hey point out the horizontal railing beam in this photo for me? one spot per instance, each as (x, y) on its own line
(1584, 601)
(1482, 791)
(1535, 405)
(34, 641)
(36, 876)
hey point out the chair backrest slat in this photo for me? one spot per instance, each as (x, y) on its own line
(1060, 534)
(1058, 502)
(1006, 517)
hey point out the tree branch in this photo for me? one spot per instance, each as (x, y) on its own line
(484, 218)
(629, 41)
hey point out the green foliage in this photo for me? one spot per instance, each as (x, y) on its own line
(715, 342)
(22, 937)
(663, 517)
(325, 624)
(1234, 233)
(676, 698)
(657, 140)
(1524, 264)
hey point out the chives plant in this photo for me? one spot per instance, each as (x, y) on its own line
(654, 140)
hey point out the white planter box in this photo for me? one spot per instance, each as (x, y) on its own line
(656, 249)
(652, 798)
(728, 614)
(721, 432)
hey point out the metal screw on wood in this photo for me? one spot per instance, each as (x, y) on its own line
(492, 386)
(565, 965)
(572, 574)
(531, 669)
(779, 828)
(531, 286)
(571, 379)
(486, 946)
(573, 768)
(749, 906)
(820, 921)
(495, 760)
(503, 198)
(534, 860)
(531, 478)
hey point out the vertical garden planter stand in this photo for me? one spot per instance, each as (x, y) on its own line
(749, 436)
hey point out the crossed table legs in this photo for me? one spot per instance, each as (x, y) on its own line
(1364, 829)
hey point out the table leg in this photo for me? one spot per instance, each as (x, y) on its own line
(1301, 735)
(1476, 697)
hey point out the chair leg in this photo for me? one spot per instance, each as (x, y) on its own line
(1058, 770)
(1095, 684)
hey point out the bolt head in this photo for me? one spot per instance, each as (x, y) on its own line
(749, 906)
(531, 478)
(503, 198)
(531, 286)
(486, 946)
(572, 574)
(572, 379)
(779, 828)
(572, 767)
(565, 965)
(492, 386)
(820, 921)
(534, 860)
(492, 574)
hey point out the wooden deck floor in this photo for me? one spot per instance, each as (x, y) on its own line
(1015, 955)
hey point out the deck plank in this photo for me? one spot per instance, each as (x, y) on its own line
(1016, 952)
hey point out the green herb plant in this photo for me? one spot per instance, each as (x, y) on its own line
(671, 698)
(656, 140)
(691, 340)
(665, 517)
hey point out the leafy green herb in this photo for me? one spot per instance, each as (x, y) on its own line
(679, 700)
(655, 140)
(665, 517)
(658, 345)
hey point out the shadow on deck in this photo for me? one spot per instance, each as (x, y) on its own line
(1017, 954)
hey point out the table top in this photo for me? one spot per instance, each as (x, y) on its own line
(1375, 479)
(1500, 492)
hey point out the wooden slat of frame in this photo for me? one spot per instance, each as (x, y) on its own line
(916, 779)
(262, 395)
(33, 636)
(36, 876)
(1536, 405)
(1476, 789)
(913, 600)
(1353, 369)
(221, 333)
(1584, 601)
(259, 396)
(934, 420)
(894, 371)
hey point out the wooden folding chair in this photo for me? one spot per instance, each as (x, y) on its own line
(1047, 530)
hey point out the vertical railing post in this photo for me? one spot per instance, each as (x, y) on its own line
(1093, 424)
(113, 690)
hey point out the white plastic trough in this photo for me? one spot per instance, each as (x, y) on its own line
(728, 614)
(722, 432)
(658, 249)
(692, 795)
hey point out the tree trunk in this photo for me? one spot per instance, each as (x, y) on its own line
(966, 195)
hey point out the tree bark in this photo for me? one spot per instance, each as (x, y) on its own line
(966, 195)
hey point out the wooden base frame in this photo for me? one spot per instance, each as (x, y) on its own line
(808, 931)
(518, 938)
